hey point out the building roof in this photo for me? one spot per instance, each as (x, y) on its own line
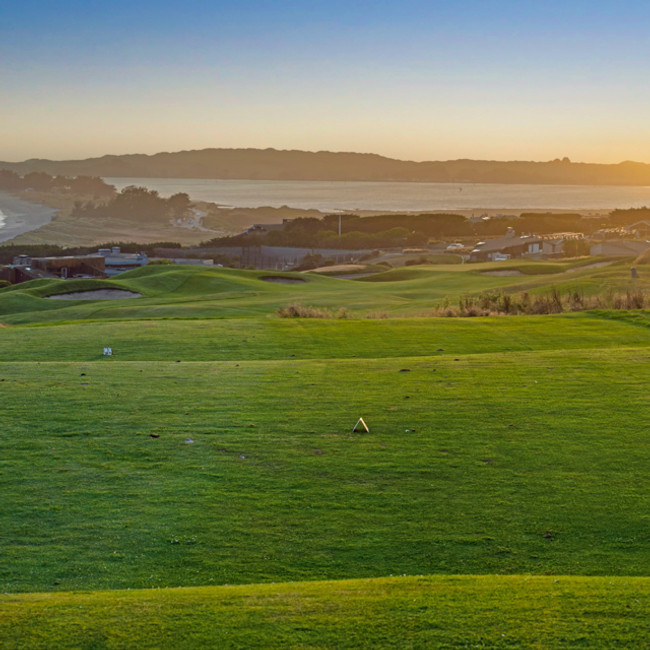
(503, 243)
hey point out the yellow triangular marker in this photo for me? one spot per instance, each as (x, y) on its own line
(363, 424)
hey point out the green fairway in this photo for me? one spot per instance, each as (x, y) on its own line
(469, 463)
(424, 612)
(274, 338)
(218, 449)
(196, 292)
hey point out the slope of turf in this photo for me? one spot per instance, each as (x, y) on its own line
(527, 462)
(424, 612)
(216, 450)
(525, 267)
(274, 338)
(195, 292)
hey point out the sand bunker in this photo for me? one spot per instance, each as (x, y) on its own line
(96, 294)
(281, 279)
(503, 273)
(338, 268)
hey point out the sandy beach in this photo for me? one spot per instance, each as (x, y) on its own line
(18, 216)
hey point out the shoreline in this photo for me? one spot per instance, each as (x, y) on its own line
(18, 216)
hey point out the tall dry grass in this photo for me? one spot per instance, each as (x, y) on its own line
(496, 303)
(298, 310)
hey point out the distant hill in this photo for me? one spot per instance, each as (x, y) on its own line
(272, 164)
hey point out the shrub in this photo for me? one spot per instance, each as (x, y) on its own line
(497, 303)
(310, 261)
(494, 303)
(297, 310)
(635, 300)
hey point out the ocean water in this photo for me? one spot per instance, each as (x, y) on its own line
(18, 216)
(343, 196)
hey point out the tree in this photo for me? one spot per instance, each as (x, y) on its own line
(9, 180)
(92, 186)
(309, 261)
(39, 181)
(575, 247)
(138, 203)
(178, 205)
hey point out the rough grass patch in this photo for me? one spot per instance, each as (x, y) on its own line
(298, 310)
(499, 303)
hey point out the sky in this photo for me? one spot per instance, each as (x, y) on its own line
(416, 80)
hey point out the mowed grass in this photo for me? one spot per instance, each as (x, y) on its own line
(527, 462)
(217, 450)
(191, 292)
(421, 612)
(276, 338)
(195, 292)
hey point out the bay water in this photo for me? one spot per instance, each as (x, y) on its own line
(395, 196)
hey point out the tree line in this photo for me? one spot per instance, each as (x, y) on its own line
(394, 230)
(135, 204)
(132, 203)
(42, 182)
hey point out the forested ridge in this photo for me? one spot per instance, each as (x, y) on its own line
(273, 164)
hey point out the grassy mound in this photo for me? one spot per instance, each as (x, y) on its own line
(425, 612)
(195, 292)
(216, 448)
(253, 339)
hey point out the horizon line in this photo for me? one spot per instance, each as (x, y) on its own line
(563, 160)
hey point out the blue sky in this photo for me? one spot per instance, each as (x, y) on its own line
(417, 80)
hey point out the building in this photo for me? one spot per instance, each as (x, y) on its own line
(105, 263)
(512, 245)
(187, 261)
(117, 262)
(553, 244)
(503, 248)
(619, 248)
(24, 268)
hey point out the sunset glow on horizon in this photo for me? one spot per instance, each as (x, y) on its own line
(411, 80)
